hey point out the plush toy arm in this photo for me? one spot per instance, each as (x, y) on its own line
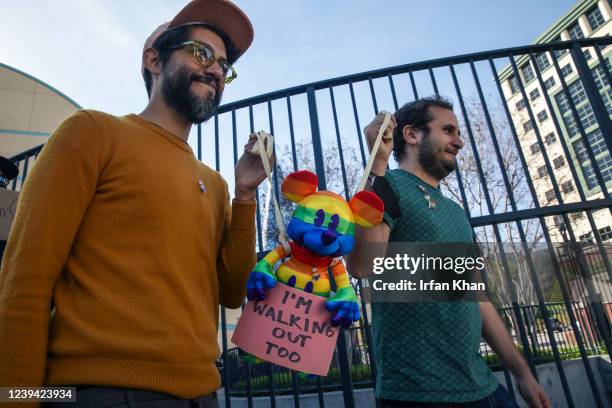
(344, 303)
(263, 277)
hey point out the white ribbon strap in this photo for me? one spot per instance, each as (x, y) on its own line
(265, 148)
(368, 168)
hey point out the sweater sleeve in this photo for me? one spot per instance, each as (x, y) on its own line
(237, 256)
(51, 206)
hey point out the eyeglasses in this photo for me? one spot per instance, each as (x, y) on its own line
(205, 55)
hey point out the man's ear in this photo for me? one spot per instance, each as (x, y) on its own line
(410, 135)
(151, 61)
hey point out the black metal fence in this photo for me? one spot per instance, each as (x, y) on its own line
(535, 172)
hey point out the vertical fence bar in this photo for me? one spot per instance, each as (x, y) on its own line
(226, 368)
(373, 93)
(433, 81)
(260, 247)
(275, 178)
(294, 377)
(24, 172)
(291, 134)
(345, 371)
(599, 109)
(604, 64)
(414, 89)
(271, 120)
(347, 193)
(357, 126)
(368, 332)
(393, 92)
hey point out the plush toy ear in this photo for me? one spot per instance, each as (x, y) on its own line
(367, 208)
(299, 185)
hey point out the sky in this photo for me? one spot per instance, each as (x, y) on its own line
(91, 49)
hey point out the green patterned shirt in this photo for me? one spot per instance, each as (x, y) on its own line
(428, 352)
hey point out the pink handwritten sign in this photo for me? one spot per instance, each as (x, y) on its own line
(291, 328)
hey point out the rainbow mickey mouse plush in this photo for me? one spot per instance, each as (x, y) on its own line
(322, 230)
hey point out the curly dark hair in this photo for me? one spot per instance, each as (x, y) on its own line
(417, 115)
(181, 34)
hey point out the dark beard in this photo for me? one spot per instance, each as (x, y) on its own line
(176, 89)
(431, 161)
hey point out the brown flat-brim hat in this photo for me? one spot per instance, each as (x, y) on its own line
(220, 14)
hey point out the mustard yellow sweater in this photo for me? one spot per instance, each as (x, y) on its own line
(113, 226)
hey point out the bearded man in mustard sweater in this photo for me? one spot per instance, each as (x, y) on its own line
(124, 244)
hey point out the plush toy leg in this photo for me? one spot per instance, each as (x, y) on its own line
(345, 307)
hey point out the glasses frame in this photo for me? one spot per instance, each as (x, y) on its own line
(225, 66)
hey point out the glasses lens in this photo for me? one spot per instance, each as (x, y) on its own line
(229, 73)
(205, 55)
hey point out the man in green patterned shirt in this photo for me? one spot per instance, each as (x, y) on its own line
(427, 354)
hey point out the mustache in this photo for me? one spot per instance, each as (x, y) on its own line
(451, 150)
(207, 79)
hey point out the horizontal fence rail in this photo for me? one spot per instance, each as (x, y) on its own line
(534, 179)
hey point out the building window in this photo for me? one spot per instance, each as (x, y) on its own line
(589, 175)
(604, 161)
(587, 117)
(513, 84)
(558, 162)
(577, 92)
(559, 53)
(520, 105)
(542, 171)
(599, 76)
(597, 143)
(586, 238)
(587, 54)
(567, 187)
(550, 138)
(602, 84)
(605, 233)
(575, 32)
(527, 126)
(550, 195)
(542, 61)
(562, 102)
(528, 75)
(534, 148)
(542, 116)
(571, 125)
(566, 70)
(583, 108)
(595, 18)
(535, 94)
(549, 83)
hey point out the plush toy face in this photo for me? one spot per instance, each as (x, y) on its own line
(324, 222)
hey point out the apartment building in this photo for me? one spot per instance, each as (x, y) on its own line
(587, 18)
